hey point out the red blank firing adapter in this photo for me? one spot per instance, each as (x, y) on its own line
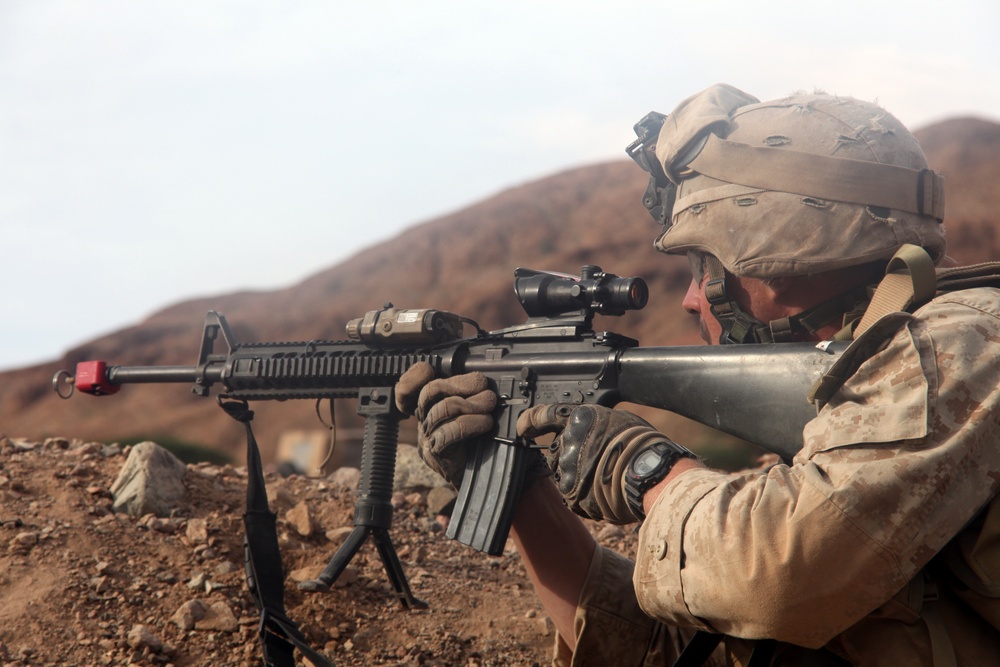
(92, 378)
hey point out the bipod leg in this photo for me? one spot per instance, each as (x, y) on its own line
(393, 568)
(336, 566)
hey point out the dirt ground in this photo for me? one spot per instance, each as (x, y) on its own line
(82, 585)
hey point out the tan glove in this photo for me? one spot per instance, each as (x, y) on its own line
(450, 410)
(589, 456)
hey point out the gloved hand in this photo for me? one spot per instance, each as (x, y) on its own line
(588, 458)
(450, 410)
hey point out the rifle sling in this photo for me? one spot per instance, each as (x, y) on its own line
(279, 635)
(697, 651)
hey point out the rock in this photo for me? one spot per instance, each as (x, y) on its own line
(23, 542)
(307, 573)
(162, 525)
(189, 613)
(347, 577)
(196, 531)
(141, 637)
(412, 472)
(84, 449)
(278, 497)
(347, 477)
(199, 615)
(150, 482)
(609, 533)
(224, 568)
(22, 445)
(218, 618)
(298, 517)
(338, 535)
(439, 500)
(107, 451)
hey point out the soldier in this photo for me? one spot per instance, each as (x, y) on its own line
(878, 543)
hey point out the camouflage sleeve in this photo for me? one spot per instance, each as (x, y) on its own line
(610, 627)
(892, 468)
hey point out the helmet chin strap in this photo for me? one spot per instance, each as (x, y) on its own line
(738, 327)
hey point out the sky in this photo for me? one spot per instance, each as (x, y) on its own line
(156, 151)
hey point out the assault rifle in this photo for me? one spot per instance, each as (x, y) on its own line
(755, 392)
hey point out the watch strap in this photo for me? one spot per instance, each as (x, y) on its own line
(635, 486)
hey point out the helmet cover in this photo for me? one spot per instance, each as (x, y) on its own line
(798, 186)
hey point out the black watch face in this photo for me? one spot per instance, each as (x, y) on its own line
(646, 462)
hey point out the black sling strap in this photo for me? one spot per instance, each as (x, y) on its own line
(698, 650)
(279, 635)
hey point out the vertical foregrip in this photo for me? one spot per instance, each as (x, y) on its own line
(378, 469)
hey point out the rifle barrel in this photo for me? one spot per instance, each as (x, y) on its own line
(152, 374)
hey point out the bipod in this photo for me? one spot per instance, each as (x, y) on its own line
(373, 509)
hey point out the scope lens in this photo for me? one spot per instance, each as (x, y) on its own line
(628, 293)
(638, 293)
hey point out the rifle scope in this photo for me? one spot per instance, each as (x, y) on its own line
(546, 294)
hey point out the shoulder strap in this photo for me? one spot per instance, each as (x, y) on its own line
(942, 649)
(954, 278)
(909, 278)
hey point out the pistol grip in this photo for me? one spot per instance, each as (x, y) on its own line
(491, 486)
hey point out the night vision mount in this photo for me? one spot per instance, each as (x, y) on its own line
(660, 193)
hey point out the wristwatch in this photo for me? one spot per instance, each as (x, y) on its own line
(648, 468)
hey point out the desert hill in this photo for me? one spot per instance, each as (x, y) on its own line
(462, 262)
(967, 152)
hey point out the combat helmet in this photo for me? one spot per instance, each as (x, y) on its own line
(792, 187)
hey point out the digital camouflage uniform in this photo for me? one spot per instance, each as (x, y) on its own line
(834, 551)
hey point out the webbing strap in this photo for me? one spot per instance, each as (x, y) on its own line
(954, 278)
(763, 652)
(739, 327)
(909, 278)
(279, 635)
(942, 651)
(698, 649)
(919, 191)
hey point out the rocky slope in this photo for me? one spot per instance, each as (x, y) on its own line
(82, 585)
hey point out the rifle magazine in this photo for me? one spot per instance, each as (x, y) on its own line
(491, 486)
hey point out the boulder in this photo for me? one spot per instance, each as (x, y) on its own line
(150, 482)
